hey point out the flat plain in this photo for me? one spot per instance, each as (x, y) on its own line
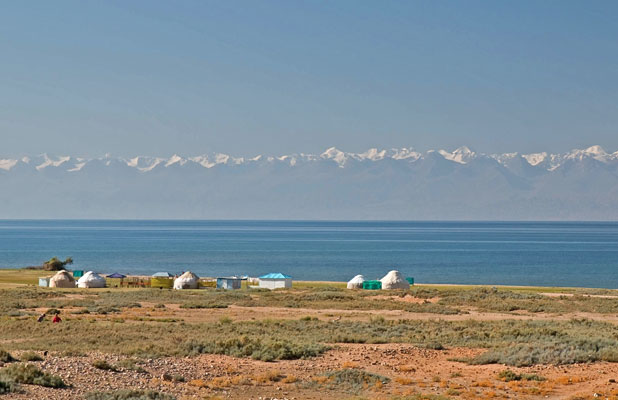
(315, 341)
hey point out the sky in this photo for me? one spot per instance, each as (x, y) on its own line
(274, 77)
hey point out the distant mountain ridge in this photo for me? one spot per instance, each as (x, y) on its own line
(581, 184)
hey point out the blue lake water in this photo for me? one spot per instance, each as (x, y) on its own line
(510, 253)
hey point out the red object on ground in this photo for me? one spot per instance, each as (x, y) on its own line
(56, 319)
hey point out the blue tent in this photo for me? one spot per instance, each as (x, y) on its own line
(275, 275)
(117, 276)
(163, 275)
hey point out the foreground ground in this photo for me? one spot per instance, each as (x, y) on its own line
(316, 341)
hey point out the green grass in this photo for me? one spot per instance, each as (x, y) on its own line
(31, 375)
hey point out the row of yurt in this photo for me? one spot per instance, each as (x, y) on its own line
(64, 279)
(392, 280)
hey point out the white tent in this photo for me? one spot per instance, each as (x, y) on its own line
(62, 279)
(188, 280)
(275, 280)
(356, 282)
(91, 280)
(394, 280)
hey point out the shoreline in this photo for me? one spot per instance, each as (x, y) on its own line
(24, 277)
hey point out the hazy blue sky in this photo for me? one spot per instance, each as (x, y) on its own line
(248, 77)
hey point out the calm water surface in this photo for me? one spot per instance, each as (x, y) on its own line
(510, 253)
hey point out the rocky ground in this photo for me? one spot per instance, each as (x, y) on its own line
(411, 370)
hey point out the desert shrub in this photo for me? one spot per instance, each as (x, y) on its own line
(204, 305)
(555, 352)
(507, 376)
(31, 375)
(104, 365)
(6, 357)
(257, 348)
(7, 387)
(130, 365)
(434, 346)
(128, 395)
(31, 356)
(104, 310)
(353, 380)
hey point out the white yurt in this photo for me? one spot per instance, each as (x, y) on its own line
(394, 280)
(188, 280)
(91, 280)
(356, 282)
(62, 279)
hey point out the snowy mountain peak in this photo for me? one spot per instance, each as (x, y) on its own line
(462, 155)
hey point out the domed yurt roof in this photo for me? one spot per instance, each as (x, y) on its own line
(62, 279)
(188, 280)
(356, 282)
(394, 280)
(91, 280)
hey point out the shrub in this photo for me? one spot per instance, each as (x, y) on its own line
(104, 365)
(31, 375)
(256, 348)
(6, 357)
(507, 376)
(31, 356)
(7, 387)
(128, 395)
(130, 365)
(353, 380)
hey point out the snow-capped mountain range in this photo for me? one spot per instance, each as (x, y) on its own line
(376, 184)
(462, 155)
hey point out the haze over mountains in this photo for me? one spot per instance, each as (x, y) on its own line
(377, 184)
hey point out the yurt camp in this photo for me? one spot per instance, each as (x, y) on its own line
(62, 279)
(394, 280)
(91, 280)
(275, 280)
(188, 280)
(356, 282)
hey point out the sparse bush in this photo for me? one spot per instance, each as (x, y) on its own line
(128, 395)
(508, 376)
(256, 348)
(31, 356)
(6, 357)
(31, 375)
(351, 380)
(7, 387)
(104, 365)
(130, 365)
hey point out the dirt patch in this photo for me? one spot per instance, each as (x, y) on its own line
(405, 299)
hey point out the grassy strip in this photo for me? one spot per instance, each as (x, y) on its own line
(512, 342)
